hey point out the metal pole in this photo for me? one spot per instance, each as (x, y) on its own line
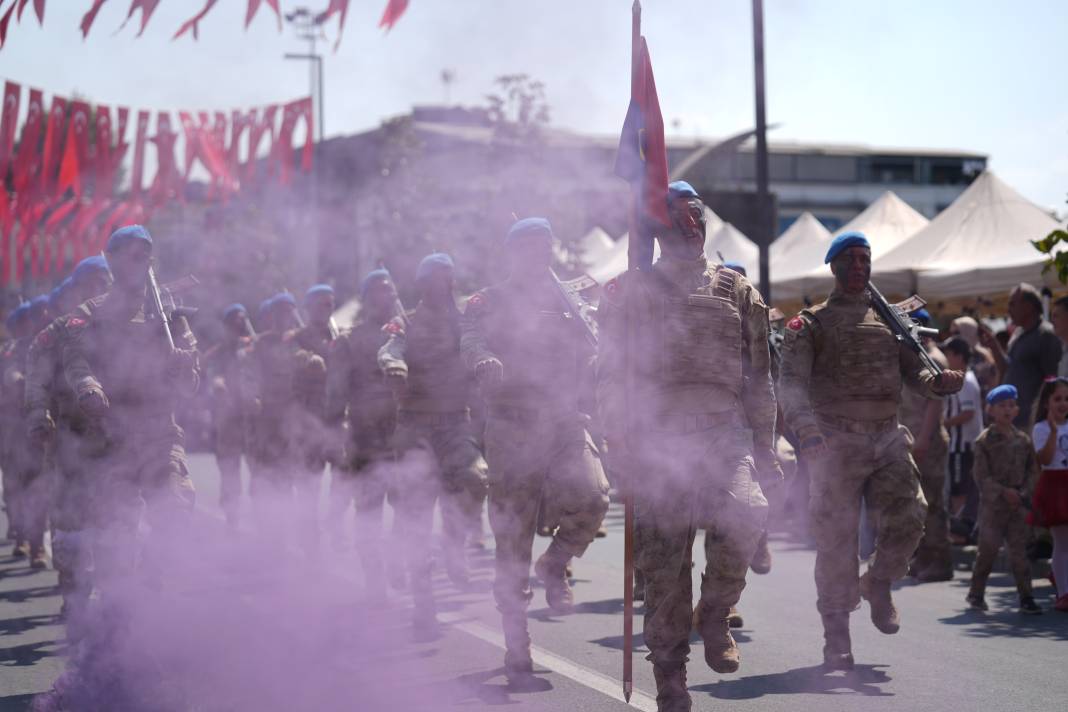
(766, 230)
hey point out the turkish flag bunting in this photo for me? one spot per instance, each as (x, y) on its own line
(193, 23)
(147, 7)
(8, 120)
(336, 7)
(4, 22)
(38, 8)
(76, 150)
(28, 160)
(294, 112)
(168, 181)
(263, 127)
(90, 17)
(137, 170)
(50, 157)
(239, 122)
(394, 10)
(254, 5)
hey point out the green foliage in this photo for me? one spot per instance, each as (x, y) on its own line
(1057, 259)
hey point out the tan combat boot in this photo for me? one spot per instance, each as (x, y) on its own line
(518, 664)
(837, 649)
(883, 613)
(761, 561)
(671, 692)
(38, 558)
(734, 618)
(551, 568)
(721, 652)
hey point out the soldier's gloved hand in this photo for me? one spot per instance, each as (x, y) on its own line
(93, 401)
(397, 380)
(180, 362)
(1012, 497)
(948, 382)
(489, 372)
(42, 428)
(769, 471)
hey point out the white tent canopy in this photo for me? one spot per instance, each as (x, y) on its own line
(887, 223)
(800, 248)
(729, 242)
(980, 244)
(594, 246)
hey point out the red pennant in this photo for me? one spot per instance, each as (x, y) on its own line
(90, 17)
(294, 112)
(239, 122)
(8, 120)
(394, 10)
(137, 170)
(336, 7)
(28, 160)
(75, 153)
(254, 5)
(147, 7)
(168, 182)
(5, 239)
(263, 127)
(4, 22)
(193, 23)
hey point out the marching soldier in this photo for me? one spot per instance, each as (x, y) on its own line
(841, 380)
(440, 457)
(13, 462)
(527, 355)
(706, 426)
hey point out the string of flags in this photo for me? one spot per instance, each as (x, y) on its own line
(62, 194)
(13, 10)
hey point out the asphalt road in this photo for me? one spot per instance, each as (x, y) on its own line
(260, 626)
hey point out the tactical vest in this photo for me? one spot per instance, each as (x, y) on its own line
(436, 374)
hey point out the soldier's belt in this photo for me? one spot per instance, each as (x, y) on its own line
(861, 427)
(432, 420)
(693, 422)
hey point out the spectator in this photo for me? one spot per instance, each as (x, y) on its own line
(964, 421)
(1034, 350)
(1050, 502)
(981, 361)
(1058, 316)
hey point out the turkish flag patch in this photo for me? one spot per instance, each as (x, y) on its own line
(475, 303)
(44, 339)
(795, 324)
(393, 328)
(75, 322)
(612, 286)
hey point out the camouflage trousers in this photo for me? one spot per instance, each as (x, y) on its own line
(876, 466)
(685, 481)
(999, 524)
(27, 490)
(231, 438)
(539, 458)
(74, 510)
(934, 548)
(438, 459)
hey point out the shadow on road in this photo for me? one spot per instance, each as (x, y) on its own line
(30, 653)
(863, 680)
(24, 594)
(477, 687)
(17, 626)
(16, 703)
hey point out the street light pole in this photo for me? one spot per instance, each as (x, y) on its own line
(767, 228)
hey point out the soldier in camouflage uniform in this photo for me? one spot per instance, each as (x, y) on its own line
(529, 357)
(223, 364)
(12, 446)
(57, 424)
(706, 422)
(279, 378)
(930, 451)
(356, 387)
(440, 457)
(841, 380)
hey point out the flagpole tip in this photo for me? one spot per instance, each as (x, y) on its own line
(628, 689)
(636, 7)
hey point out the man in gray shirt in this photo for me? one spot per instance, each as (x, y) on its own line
(1034, 350)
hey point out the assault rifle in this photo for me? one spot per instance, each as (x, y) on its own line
(576, 307)
(157, 306)
(906, 329)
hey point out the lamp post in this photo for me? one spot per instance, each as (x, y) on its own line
(767, 220)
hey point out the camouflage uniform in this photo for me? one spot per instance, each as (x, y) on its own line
(842, 374)
(108, 344)
(315, 436)
(934, 553)
(707, 409)
(355, 385)
(24, 467)
(536, 441)
(1003, 462)
(230, 417)
(434, 437)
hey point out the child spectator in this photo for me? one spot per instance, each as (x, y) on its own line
(1005, 466)
(1050, 504)
(964, 421)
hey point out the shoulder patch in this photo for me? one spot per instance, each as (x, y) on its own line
(393, 327)
(795, 324)
(43, 339)
(75, 322)
(476, 303)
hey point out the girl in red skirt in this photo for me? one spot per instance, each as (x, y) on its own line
(1050, 509)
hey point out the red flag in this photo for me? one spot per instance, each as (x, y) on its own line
(295, 111)
(4, 22)
(239, 121)
(336, 7)
(254, 5)
(393, 12)
(193, 23)
(137, 170)
(75, 153)
(147, 7)
(8, 120)
(305, 109)
(50, 157)
(642, 156)
(168, 181)
(264, 126)
(28, 160)
(90, 17)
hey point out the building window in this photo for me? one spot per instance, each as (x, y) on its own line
(892, 169)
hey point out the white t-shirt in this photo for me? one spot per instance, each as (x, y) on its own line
(970, 397)
(1040, 435)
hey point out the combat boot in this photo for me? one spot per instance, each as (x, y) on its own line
(935, 572)
(518, 664)
(38, 558)
(21, 550)
(761, 561)
(837, 649)
(721, 652)
(883, 613)
(639, 585)
(734, 618)
(551, 568)
(672, 694)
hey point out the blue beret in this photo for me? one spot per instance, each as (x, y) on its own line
(852, 238)
(282, 298)
(57, 292)
(126, 235)
(1003, 392)
(317, 290)
(373, 276)
(17, 314)
(921, 315)
(528, 226)
(88, 266)
(235, 308)
(681, 189)
(39, 302)
(432, 262)
(736, 266)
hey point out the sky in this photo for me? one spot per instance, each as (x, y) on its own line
(977, 75)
